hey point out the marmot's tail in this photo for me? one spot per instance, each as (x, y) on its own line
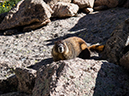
(97, 48)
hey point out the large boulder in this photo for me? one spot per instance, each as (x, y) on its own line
(84, 3)
(69, 77)
(78, 77)
(62, 10)
(29, 13)
(115, 44)
(51, 3)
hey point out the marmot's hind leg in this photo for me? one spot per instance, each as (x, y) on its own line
(85, 54)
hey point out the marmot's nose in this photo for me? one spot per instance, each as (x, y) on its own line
(60, 49)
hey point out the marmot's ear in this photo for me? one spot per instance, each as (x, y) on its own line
(59, 41)
(55, 42)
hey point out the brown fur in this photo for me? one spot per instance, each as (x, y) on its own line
(97, 48)
(73, 47)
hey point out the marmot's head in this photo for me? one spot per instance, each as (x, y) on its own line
(60, 46)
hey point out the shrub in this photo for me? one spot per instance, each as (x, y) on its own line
(6, 5)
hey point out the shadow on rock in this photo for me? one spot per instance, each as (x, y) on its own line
(98, 26)
(40, 64)
(111, 80)
(8, 85)
(51, 41)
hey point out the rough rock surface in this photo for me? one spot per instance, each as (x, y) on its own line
(31, 13)
(77, 77)
(62, 9)
(84, 3)
(15, 94)
(108, 3)
(8, 84)
(26, 79)
(114, 46)
(51, 3)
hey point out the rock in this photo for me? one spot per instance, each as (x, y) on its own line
(69, 77)
(26, 79)
(88, 10)
(78, 77)
(36, 25)
(84, 3)
(115, 44)
(62, 10)
(108, 3)
(124, 61)
(9, 84)
(51, 3)
(29, 13)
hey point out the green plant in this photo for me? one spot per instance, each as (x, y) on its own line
(6, 5)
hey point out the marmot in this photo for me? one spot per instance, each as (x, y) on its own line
(73, 47)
